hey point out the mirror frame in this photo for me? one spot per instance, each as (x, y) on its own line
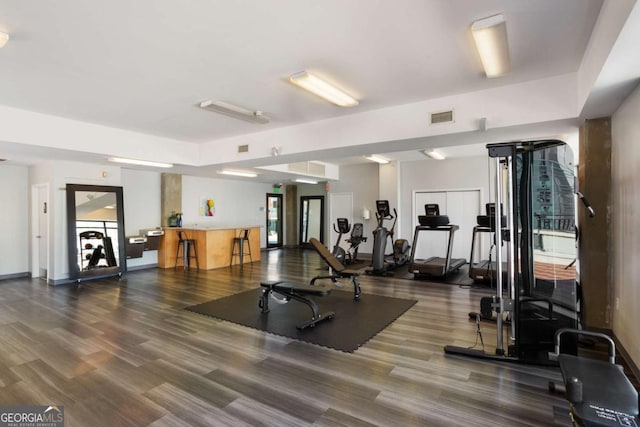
(303, 199)
(75, 271)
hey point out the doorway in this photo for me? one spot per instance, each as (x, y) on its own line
(311, 219)
(274, 220)
(40, 231)
(462, 207)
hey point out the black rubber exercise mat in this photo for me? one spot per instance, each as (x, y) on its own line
(354, 324)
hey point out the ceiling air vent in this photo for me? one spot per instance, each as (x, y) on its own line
(243, 148)
(311, 168)
(442, 117)
(317, 169)
(297, 167)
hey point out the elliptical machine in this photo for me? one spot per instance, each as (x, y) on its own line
(383, 264)
(355, 240)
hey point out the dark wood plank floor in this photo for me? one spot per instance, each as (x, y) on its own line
(126, 353)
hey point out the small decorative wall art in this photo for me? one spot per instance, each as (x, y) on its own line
(207, 207)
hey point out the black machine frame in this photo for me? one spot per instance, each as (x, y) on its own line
(434, 266)
(381, 263)
(484, 270)
(534, 315)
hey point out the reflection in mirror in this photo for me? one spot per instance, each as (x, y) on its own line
(97, 228)
(95, 220)
(311, 219)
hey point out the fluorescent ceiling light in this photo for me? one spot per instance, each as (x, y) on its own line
(234, 111)
(306, 181)
(4, 38)
(322, 89)
(140, 162)
(377, 159)
(238, 173)
(490, 35)
(434, 154)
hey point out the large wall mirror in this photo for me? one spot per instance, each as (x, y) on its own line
(95, 222)
(311, 219)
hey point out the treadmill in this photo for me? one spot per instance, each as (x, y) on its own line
(434, 266)
(484, 270)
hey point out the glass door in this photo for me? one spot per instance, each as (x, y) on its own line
(274, 220)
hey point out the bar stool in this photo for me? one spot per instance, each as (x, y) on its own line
(238, 244)
(186, 244)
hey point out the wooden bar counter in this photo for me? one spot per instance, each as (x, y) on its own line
(213, 244)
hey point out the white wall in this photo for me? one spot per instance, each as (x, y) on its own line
(141, 198)
(14, 226)
(625, 183)
(237, 203)
(389, 186)
(362, 181)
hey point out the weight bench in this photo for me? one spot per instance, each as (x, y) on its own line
(339, 270)
(297, 292)
(599, 392)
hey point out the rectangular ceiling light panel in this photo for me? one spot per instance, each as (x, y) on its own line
(234, 111)
(322, 89)
(377, 159)
(245, 174)
(490, 35)
(306, 181)
(140, 162)
(434, 154)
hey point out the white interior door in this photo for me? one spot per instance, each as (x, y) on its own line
(462, 207)
(340, 206)
(40, 231)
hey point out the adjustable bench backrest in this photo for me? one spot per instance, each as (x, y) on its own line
(326, 255)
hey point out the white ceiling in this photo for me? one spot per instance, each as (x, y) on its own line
(145, 66)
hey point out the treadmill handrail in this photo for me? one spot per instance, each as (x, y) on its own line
(451, 228)
(439, 227)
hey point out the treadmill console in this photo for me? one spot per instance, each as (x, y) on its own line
(489, 220)
(432, 217)
(382, 207)
(343, 225)
(491, 209)
(432, 209)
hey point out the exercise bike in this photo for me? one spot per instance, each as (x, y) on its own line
(355, 240)
(382, 263)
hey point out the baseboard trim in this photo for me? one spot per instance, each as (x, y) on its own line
(15, 276)
(56, 282)
(142, 267)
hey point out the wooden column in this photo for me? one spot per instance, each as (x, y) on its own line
(291, 215)
(594, 181)
(171, 197)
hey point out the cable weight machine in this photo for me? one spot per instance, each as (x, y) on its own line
(538, 294)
